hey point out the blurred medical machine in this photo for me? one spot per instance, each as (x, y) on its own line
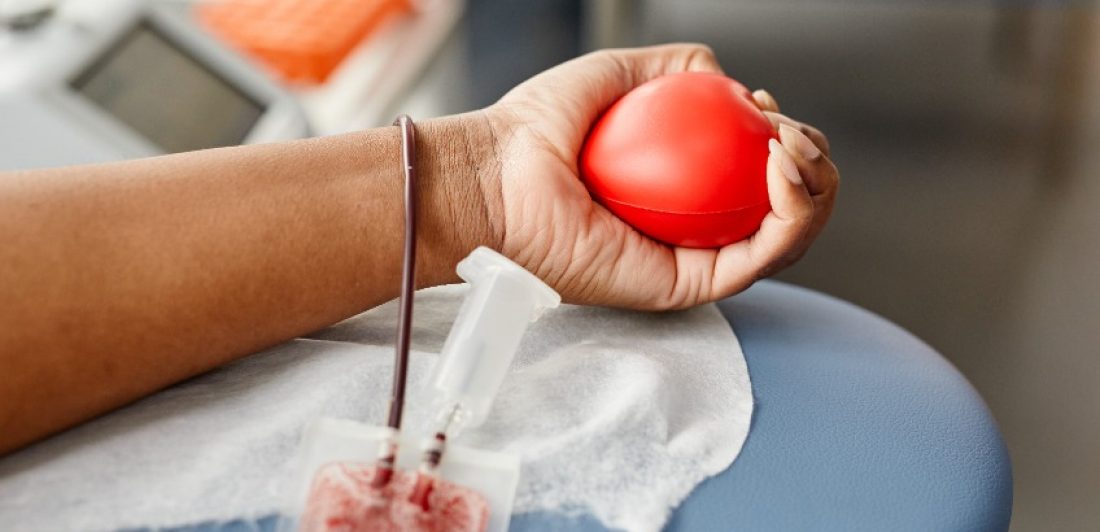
(84, 81)
(100, 80)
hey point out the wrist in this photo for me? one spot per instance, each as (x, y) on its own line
(458, 184)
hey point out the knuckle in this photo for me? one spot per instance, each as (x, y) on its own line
(702, 49)
(608, 55)
(700, 54)
(805, 215)
(605, 54)
(797, 254)
(766, 271)
(832, 174)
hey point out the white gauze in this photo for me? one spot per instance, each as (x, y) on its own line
(615, 414)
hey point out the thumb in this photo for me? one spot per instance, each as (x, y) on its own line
(574, 94)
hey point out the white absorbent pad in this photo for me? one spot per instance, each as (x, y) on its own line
(614, 414)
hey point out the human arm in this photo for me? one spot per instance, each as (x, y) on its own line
(118, 280)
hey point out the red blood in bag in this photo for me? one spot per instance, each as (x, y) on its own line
(683, 159)
(342, 498)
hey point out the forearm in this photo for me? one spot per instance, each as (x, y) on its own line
(117, 280)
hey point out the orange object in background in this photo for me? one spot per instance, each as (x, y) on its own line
(301, 40)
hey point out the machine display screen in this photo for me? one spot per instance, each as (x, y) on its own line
(166, 95)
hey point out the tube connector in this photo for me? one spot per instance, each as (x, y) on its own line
(503, 299)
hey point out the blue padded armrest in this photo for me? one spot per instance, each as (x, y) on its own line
(858, 426)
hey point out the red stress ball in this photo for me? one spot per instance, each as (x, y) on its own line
(682, 158)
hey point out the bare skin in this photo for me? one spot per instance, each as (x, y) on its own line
(121, 279)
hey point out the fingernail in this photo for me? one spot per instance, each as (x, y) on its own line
(773, 118)
(799, 142)
(765, 99)
(786, 163)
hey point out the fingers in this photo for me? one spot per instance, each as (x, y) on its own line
(821, 177)
(765, 101)
(819, 139)
(791, 207)
(740, 264)
(817, 170)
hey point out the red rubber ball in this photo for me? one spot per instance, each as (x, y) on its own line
(683, 159)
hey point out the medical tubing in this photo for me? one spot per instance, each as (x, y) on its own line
(408, 272)
(387, 452)
(434, 447)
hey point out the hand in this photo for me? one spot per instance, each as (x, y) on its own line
(547, 222)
